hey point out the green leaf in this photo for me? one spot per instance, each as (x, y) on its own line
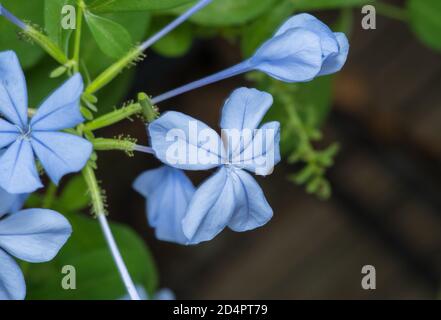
(53, 25)
(425, 20)
(327, 4)
(74, 196)
(28, 53)
(104, 6)
(137, 24)
(229, 12)
(96, 273)
(176, 43)
(58, 72)
(112, 38)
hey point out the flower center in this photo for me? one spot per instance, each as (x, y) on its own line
(25, 133)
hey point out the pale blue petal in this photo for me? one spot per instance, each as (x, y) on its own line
(8, 133)
(19, 202)
(211, 207)
(294, 56)
(252, 209)
(164, 294)
(6, 201)
(61, 110)
(13, 92)
(34, 235)
(335, 62)
(60, 153)
(245, 108)
(241, 114)
(306, 21)
(184, 142)
(18, 173)
(11, 202)
(12, 283)
(168, 192)
(263, 153)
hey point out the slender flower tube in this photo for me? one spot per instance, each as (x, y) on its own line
(5, 13)
(174, 24)
(143, 149)
(100, 211)
(300, 50)
(122, 269)
(225, 74)
(133, 55)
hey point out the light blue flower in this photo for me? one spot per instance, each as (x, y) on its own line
(168, 192)
(231, 197)
(59, 153)
(300, 50)
(32, 235)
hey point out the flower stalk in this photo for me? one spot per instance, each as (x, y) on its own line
(114, 70)
(42, 40)
(174, 24)
(77, 45)
(105, 144)
(228, 73)
(126, 145)
(113, 117)
(100, 211)
(47, 45)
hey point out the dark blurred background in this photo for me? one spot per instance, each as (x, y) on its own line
(385, 209)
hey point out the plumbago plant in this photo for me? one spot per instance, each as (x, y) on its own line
(59, 137)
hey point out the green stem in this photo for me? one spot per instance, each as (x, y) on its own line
(114, 70)
(391, 11)
(113, 117)
(49, 197)
(98, 206)
(77, 45)
(304, 145)
(44, 42)
(100, 211)
(104, 144)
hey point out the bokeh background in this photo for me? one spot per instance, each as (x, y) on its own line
(385, 208)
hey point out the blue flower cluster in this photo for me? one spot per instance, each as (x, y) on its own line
(301, 49)
(58, 152)
(33, 235)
